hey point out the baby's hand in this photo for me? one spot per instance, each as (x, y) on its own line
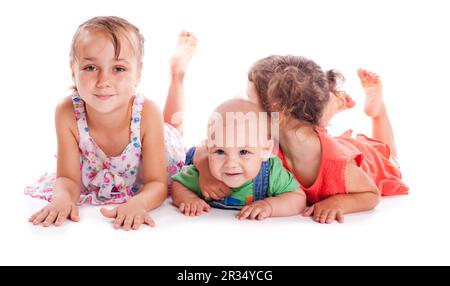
(325, 211)
(56, 212)
(212, 188)
(256, 210)
(129, 215)
(194, 207)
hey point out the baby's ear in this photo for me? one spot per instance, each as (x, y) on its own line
(267, 150)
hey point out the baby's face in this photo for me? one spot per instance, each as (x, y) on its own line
(234, 166)
(104, 82)
(239, 161)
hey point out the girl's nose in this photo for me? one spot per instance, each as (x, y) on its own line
(103, 80)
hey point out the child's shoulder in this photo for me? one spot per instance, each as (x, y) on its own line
(275, 162)
(151, 115)
(149, 107)
(277, 168)
(64, 111)
(65, 116)
(65, 105)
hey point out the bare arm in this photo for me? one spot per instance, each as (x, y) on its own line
(154, 191)
(180, 194)
(67, 187)
(187, 201)
(68, 176)
(287, 204)
(362, 195)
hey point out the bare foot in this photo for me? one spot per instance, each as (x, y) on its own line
(373, 88)
(186, 45)
(337, 103)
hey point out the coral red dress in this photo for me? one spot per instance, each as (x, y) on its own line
(370, 155)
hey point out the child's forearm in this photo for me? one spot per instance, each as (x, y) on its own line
(355, 202)
(64, 186)
(287, 204)
(152, 194)
(181, 194)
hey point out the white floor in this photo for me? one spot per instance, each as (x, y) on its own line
(402, 230)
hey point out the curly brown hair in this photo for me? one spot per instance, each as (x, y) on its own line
(294, 86)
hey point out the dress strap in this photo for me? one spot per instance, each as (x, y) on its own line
(135, 126)
(80, 115)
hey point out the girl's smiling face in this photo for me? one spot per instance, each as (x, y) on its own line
(105, 82)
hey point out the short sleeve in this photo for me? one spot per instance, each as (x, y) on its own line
(188, 177)
(281, 180)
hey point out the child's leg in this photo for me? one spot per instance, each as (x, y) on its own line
(375, 108)
(174, 107)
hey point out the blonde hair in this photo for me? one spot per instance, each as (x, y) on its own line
(113, 27)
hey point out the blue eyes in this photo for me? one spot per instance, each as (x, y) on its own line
(119, 69)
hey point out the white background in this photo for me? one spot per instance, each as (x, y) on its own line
(406, 42)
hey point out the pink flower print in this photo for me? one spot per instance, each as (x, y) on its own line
(128, 166)
(92, 175)
(172, 169)
(106, 165)
(124, 157)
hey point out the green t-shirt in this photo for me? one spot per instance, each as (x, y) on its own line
(280, 181)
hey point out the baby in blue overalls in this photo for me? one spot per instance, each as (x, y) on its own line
(240, 155)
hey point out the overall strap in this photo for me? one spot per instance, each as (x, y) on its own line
(190, 156)
(261, 182)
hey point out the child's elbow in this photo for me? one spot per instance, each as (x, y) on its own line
(375, 197)
(300, 201)
(162, 193)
